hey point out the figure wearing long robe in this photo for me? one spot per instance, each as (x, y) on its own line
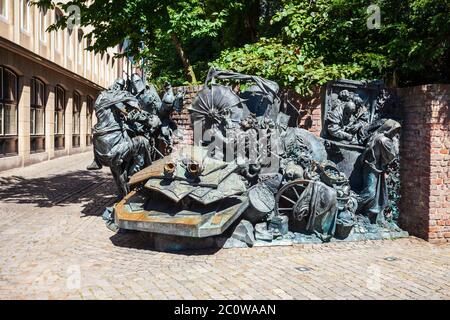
(382, 148)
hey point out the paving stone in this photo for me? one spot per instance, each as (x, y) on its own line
(52, 235)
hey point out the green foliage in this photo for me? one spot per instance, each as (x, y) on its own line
(393, 183)
(329, 39)
(152, 23)
(205, 28)
(299, 43)
(284, 63)
(191, 19)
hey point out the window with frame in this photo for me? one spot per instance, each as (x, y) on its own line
(4, 9)
(25, 15)
(95, 64)
(8, 112)
(58, 33)
(101, 67)
(60, 110)
(80, 46)
(113, 69)
(108, 59)
(43, 25)
(69, 48)
(37, 116)
(88, 54)
(89, 113)
(76, 119)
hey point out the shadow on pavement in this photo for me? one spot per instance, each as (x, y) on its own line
(92, 188)
(146, 241)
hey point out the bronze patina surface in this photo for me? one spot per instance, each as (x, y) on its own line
(200, 221)
(198, 204)
(277, 182)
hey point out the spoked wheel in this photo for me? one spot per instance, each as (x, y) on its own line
(286, 200)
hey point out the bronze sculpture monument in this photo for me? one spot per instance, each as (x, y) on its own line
(249, 178)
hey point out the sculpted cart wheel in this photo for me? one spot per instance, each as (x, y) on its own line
(287, 199)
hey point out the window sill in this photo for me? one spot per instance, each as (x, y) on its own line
(37, 151)
(10, 162)
(25, 32)
(8, 155)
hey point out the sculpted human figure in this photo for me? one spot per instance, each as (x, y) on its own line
(170, 102)
(141, 117)
(309, 190)
(113, 147)
(350, 121)
(150, 102)
(339, 120)
(348, 118)
(118, 85)
(146, 94)
(382, 148)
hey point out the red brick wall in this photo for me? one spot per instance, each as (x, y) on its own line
(425, 202)
(182, 119)
(308, 114)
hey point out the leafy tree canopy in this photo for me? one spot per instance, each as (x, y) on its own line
(328, 39)
(299, 43)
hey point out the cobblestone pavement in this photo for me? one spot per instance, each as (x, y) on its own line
(54, 244)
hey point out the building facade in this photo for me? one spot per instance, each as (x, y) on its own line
(48, 85)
